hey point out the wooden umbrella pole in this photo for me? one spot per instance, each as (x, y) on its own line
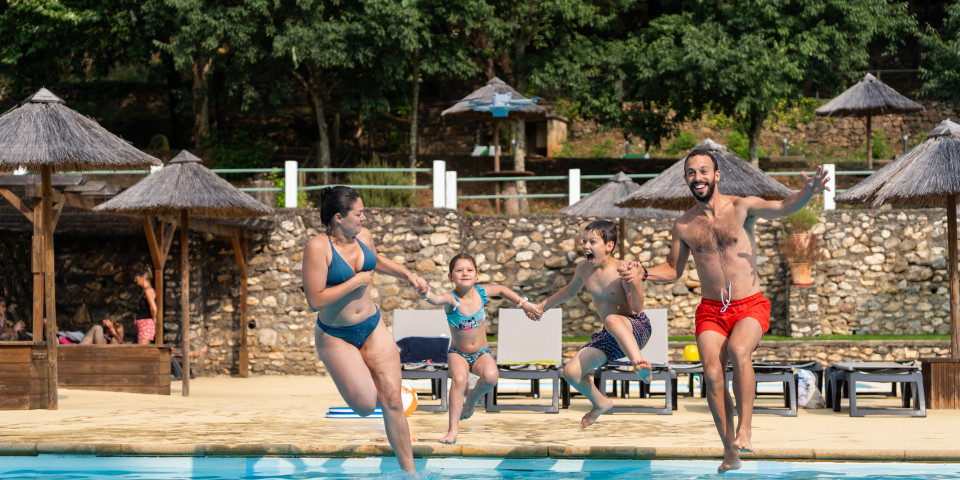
(185, 300)
(240, 250)
(869, 144)
(48, 287)
(952, 272)
(623, 237)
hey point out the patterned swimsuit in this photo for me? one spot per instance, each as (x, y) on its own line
(468, 322)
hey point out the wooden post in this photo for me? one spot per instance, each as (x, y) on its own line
(36, 266)
(496, 159)
(48, 286)
(869, 144)
(953, 275)
(240, 251)
(185, 299)
(623, 238)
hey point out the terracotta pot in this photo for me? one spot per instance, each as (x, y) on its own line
(802, 273)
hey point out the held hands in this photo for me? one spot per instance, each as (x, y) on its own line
(533, 310)
(629, 271)
(817, 183)
(420, 285)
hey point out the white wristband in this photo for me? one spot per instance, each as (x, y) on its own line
(522, 301)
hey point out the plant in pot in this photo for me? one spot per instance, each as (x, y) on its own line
(800, 245)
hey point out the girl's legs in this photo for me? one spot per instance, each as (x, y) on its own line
(577, 373)
(459, 373)
(486, 368)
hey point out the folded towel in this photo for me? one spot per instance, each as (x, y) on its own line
(423, 349)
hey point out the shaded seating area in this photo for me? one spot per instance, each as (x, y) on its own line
(842, 379)
(423, 337)
(528, 350)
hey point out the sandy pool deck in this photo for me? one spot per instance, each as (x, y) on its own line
(285, 415)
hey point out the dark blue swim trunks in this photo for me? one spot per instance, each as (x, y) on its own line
(605, 342)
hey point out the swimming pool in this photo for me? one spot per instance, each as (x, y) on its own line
(84, 467)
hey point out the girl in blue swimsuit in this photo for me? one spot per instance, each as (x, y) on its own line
(355, 346)
(468, 346)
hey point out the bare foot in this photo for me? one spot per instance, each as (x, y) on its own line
(642, 367)
(743, 444)
(731, 461)
(450, 438)
(595, 413)
(467, 410)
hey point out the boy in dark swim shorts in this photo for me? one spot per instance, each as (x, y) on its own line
(615, 288)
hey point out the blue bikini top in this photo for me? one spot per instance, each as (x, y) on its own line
(467, 322)
(339, 271)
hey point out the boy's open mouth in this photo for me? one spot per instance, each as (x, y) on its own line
(589, 256)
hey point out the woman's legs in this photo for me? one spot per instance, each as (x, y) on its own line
(459, 373)
(94, 336)
(383, 361)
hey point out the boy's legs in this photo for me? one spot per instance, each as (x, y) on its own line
(621, 328)
(577, 372)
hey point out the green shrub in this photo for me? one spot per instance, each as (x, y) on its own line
(382, 197)
(280, 182)
(739, 143)
(240, 150)
(879, 145)
(683, 141)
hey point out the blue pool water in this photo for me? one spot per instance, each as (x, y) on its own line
(212, 468)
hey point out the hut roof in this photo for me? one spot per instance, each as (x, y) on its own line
(185, 184)
(869, 96)
(464, 108)
(922, 177)
(42, 131)
(738, 177)
(602, 202)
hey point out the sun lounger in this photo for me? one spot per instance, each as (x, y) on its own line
(776, 372)
(843, 376)
(423, 337)
(655, 352)
(528, 350)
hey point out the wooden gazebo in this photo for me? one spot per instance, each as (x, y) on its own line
(43, 135)
(169, 196)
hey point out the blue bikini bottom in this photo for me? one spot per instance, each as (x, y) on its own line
(356, 334)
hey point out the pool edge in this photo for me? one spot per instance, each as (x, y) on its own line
(495, 451)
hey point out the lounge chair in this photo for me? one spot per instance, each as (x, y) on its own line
(776, 372)
(423, 337)
(656, 352)
(528, 350)
(843, 376)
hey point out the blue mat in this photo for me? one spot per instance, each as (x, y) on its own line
(346, 412)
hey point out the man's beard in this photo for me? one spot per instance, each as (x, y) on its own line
(711, 187)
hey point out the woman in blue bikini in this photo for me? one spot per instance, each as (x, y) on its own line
(469, 335)
(353, 343)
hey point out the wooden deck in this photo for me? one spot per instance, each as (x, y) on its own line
(117, 368)
(23, 376)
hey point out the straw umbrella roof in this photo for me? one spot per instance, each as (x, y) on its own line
(923, 177)
(44, 132)
(185, 184)
(869, 96)
(602, 202)
(464, 108)
(738, 177)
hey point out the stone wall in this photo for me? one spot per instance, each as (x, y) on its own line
(884, 273)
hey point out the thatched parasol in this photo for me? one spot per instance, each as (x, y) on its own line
(499, 100)
(181, 188)
(927, 176)
(868, 97)
(738, 177)
(43, 134)
(601, 203)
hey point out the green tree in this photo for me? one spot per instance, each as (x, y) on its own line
(940, 68)
(740, 58)
(199, 36)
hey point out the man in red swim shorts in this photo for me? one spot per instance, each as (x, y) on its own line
(734, 315)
